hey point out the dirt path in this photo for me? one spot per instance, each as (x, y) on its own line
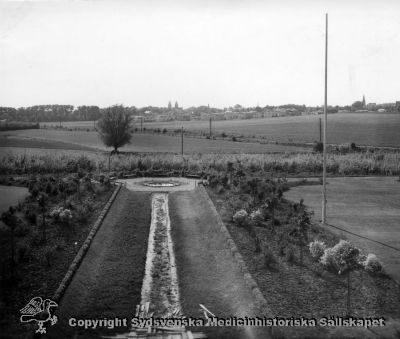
(108, 282)
(206, 270)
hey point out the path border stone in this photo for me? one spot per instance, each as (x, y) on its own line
(261, 302)
(84, 248)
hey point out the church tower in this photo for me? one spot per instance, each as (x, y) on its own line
(363, 101)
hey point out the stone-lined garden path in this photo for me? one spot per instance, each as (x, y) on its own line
(109, 281)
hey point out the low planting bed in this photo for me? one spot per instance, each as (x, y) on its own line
(273, 236)
(41, 238)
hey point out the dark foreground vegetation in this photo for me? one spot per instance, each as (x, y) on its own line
(40, 236)
(301, 268)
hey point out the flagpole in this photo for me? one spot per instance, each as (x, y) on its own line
(325, 123)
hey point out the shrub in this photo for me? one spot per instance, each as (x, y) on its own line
(82, 213)
(327, 259)
(240, 218)
(256, 217)
(318, 147)
(269, 258)
(49, 254)
(21, 230)
(343, 257)
(372, 264)
(35, 192)
(22, 253)
(31, 216)
(61, 214)
(49, 188)
(317, 249)
(101, 178)
(107, 181)
(289, 255)
(220, 189)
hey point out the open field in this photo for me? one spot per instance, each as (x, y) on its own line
(369, 207)
(10, 141)
(141, 142)
(376, 129)
(361, 128)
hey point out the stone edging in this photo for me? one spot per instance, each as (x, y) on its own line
(261, 303)
(84, 248)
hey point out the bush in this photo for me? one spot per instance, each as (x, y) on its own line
(23, 253)
(61, 214)
(342, 257)
(21, 230)
(317, 249)
(49, 253)
(318, 147)
(240, 218)
(31, 216)
(82, 213)
(372, 264)
(256, 217)
(327, 259)
(269, 258)
(289, 255)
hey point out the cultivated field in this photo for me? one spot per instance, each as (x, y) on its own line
(377, 129)
(369, 207)
(361, 128)
(140, 142)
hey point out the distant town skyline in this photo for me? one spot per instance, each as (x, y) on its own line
(219, 53)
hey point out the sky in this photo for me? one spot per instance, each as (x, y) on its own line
(220, 52)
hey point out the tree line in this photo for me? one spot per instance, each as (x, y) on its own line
(43, 113)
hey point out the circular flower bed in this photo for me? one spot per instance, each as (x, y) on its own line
(161, 183)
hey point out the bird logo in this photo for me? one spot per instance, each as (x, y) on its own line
(39, 310)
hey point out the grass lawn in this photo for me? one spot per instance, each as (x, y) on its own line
(207, 273)
(366, 206)
(143, 142)
(108, 283)
(11, 195)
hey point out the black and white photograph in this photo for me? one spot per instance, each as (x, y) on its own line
(186, 169)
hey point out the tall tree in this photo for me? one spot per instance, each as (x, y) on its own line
(115, 127)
